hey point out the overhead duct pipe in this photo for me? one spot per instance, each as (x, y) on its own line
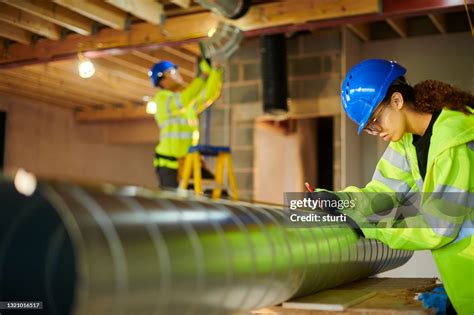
(231, 9)
(222, 42)
(121, 251)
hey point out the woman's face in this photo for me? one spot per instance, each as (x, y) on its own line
(389, 120)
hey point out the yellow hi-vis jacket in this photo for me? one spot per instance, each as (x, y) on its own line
(177, 115)
(445, 221)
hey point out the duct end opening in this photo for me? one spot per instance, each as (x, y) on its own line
(37, 261)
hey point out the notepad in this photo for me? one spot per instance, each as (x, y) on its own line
(330, 300)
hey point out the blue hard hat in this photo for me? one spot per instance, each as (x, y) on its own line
(365, 86)
(156, 72)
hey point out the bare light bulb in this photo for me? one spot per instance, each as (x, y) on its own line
(25, 182)
(86, 68)
(211, 32)
(151, 108)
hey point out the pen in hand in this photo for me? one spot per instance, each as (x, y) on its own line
(308, 187)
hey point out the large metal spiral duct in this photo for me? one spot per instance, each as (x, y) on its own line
(121, 251)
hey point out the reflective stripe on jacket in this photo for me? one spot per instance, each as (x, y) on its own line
(445, 221)
(177, 117)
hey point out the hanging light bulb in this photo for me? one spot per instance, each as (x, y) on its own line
(150, 107)
(211, 32)
(25, 182)
(86, 67)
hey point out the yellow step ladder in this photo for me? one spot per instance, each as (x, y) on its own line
(192, 163)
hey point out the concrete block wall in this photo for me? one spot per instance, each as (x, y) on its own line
(314, 64)
(313, 71)
(233, 115)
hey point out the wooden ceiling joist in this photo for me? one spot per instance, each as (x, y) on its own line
(96, 85)
(301, 11)
(133, 91)
(48, 90)
(172, 12)
(131, 62)
(44, 89)
(120, 65)
(11, 89)
(138, 79)
(98, 11)
(182, 3)
(192, 47)
(53, 83)
(361, 30)
(29, 22)
(143, 65)
(181, 53)
(118, 80)
(14, 33)
(55, 14)
(145, 56)
(148, 10)
(399, 26)
(186, 27)
(439, 22)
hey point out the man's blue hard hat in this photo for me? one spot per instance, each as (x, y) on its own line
(365, 86)
(158, 70)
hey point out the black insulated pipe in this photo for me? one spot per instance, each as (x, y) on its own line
(274, 75)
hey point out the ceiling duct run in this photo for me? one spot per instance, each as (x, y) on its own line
(231, 9)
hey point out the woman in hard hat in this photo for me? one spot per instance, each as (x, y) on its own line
(430, 127)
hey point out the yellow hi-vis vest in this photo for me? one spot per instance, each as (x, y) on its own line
(177, 116)
(445, 222)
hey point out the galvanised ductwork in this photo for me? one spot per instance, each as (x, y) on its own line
(85, 250)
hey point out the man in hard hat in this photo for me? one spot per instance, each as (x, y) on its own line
(177, 109)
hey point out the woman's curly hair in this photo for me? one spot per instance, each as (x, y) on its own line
(431, 96)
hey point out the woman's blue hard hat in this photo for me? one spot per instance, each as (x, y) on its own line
(365, 86)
